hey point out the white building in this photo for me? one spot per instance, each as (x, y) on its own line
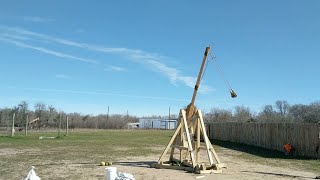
(157, 123)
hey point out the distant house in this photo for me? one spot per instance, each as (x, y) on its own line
(157, 123)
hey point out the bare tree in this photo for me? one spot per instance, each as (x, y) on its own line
(242, 114)
(6, 116)
(52, 113)
(40, 109)
(298, 112)
(306, 113)
(23, 111)
(267, 114)
(218, 115)
(282, 107)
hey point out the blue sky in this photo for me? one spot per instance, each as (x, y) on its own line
(144, 56)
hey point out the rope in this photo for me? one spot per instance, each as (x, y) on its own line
(221, 73)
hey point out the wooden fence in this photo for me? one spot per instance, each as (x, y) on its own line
(304, 137)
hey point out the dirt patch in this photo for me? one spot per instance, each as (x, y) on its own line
(8, 151)
(12, 151)
(238, 168)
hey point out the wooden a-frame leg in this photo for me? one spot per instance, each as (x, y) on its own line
(190, 145)
(190, 149)
(205, 137)
(198, 138)
(181, 139)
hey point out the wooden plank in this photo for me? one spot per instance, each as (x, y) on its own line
(280, 137)
(301, 139)
(295, 135)
(305, 148)
(317, 138)
(210, 171)
(27, 121)
(311, 147)
(269, 136)
(259, 134)
(198, 139)
(206, 140)
(188, 137)
(272, 139)
(181, 135)
(253, 135)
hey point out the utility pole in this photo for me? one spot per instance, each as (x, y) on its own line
(127, 114)
(12, 130)
(108, 114)
(169, 118)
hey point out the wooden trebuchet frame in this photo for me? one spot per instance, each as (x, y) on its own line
(186, 139)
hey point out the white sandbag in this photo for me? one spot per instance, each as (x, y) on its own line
(124, 176)
(32, 175)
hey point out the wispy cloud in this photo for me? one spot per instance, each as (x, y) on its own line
(63, 76)
(154, 61)
(15, 37)
(36, 19)
(47, 51)
(115, 68)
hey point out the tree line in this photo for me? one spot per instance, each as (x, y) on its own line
(44, 116)
(280, 111)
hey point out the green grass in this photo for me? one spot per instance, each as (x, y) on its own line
(86, 147)
(84, 150)
(95, 142)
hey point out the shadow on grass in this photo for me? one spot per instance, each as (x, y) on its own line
(121, 163)
(145, 164)
(257, 151)
(279, 174)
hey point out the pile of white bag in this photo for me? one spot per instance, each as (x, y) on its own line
(32, 175)
(124, 176)
(112, 174)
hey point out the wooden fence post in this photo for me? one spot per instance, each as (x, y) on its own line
(12, 129)
(59, 128)
(67, 126)
(26, 130)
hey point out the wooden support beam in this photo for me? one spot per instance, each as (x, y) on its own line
(12, 128)
(198, 139)
(209, 172)
(205, 137)
(188, 137)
